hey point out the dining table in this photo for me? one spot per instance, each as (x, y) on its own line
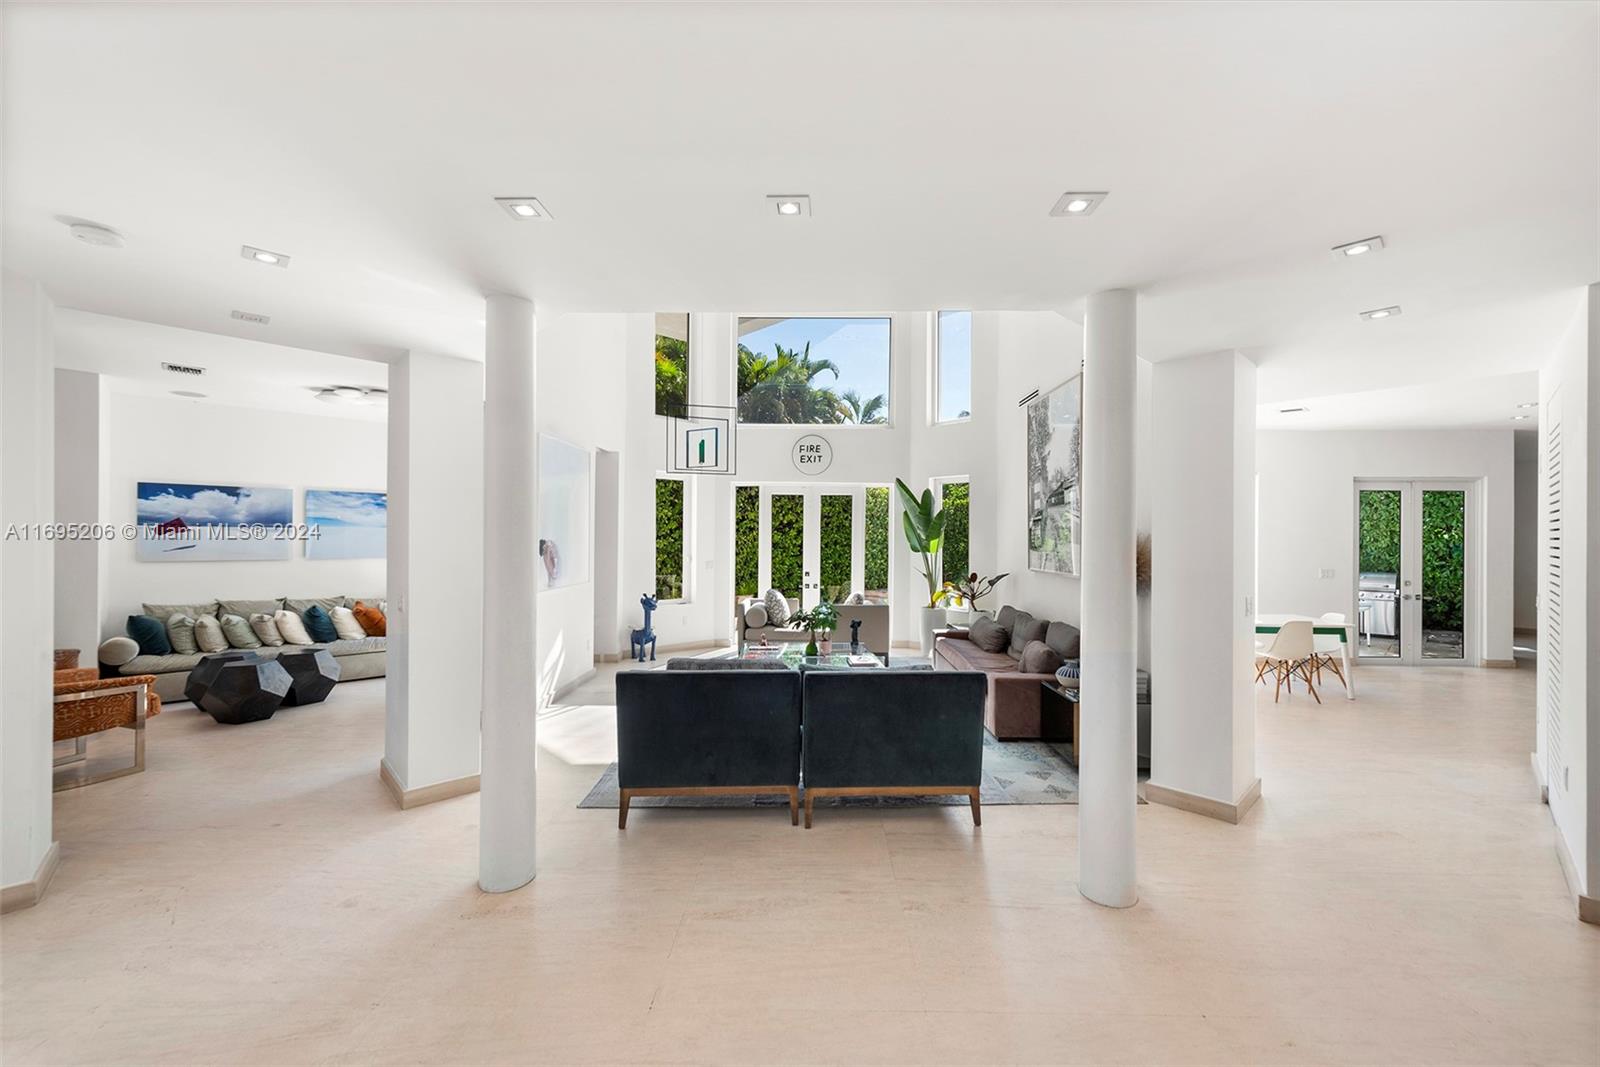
(1270, 624)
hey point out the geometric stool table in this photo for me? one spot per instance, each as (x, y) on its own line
(312, 674)
(237, 687)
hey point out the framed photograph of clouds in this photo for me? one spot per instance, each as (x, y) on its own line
(345, 524)
(186, 523)
(564, 537)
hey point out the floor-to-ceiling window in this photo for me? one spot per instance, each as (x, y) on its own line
(786, 539)
(746, 540)
(954, 555)
(670, 554)
(876, 554)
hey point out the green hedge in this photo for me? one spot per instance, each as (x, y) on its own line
(746, 539)
(669, 538)
(1444, 530)
(954, 563)
(835, 547)
(788, 540)
(877, 548)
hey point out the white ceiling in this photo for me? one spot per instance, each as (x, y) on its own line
(1239, 143)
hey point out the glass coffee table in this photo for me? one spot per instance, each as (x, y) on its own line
(793, 654)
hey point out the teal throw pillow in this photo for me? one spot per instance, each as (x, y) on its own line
(319, 624)
(151, 633)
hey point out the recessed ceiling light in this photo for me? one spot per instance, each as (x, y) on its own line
(1529, 404)
(791, 205)
(188, 394)
(1358, 248)
(261, 255)
(523, 208)
(1076, 205)
(250, 316)
(1291, 411)
(353, 394)
(1520, 418)
(1381, 313)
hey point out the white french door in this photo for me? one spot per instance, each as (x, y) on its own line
(1418, 572)
(812, 540)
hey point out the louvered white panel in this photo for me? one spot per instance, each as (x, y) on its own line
(1550, 642)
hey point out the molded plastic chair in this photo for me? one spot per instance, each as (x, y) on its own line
(1291, 653)
(1326, 649)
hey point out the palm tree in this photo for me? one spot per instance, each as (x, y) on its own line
(672, 375)
(867, 414)
(780, 387)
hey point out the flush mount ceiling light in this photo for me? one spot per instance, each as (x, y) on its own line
(1358, 248)
(1520, 418)
(1382, 313)
(523, 208)
(92, 233)
(1529, 404)
(791, 205)
(261, 255)
(1291, 411)
(1077, 205)
(188, 394)
(353, 394)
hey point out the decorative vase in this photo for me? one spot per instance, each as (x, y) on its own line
(811, 648)
(825, 647)
(930, 620)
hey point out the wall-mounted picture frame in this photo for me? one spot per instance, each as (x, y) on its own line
(1054, 471)
(564, 530)
(346, 524)
(199, 522)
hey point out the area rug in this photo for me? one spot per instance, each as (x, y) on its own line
(1014, 772)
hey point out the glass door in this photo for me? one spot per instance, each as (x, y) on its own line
(813, 540)
(1414, 581)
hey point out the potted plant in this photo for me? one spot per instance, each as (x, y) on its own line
(820, 621)
(971, 589)
(923, 524)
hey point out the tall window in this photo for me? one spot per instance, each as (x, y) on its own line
(672, 363)
(954, 363)
(746, 539)
(788, 540)
(877, 546)
(954, 554)
(834, 551)
(814, 371)
(670, 567)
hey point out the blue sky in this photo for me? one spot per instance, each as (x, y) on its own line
(213, 505)
(859, 346)
(336, 507)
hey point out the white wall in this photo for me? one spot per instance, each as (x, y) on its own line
(1307, 508)
(82, 460)
(1525, 550)
(27, 492)
(1569, 398)
(179, 440)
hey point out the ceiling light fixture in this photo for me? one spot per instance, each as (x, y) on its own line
(1529, 404)
(250, 316)
(1358, 248)
(92, 233)
(353, 394)
(1077, 205)
(1291, 411)
(1520, 418)
(1382, 313)
(523, 208)
(791, 205)
(261, 255)
(188, 394)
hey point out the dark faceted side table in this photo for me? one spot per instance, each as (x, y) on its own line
(313, 672)
(237, 687)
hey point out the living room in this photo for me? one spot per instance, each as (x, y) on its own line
(459, 509)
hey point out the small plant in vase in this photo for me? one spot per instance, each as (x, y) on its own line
(971, 589)
(821, 621)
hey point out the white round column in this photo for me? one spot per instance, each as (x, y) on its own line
(508, 787)
(1107, 757)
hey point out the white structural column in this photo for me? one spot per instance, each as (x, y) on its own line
(1107, 777)
(509, 793)
(81, 460)
(1202, 639)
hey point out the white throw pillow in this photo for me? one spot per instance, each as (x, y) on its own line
(856, 598)
(291, 627)
(266, 629)
(346, 626)
(777, 606)
(208, 634)
(755, 614)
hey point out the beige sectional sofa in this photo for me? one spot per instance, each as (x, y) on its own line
(363, 658)
(874, 626)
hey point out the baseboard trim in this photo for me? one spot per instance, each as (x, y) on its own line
(27, 894)
(1500, 664)
(427, 794)
(1210, 807)
(1538, 778)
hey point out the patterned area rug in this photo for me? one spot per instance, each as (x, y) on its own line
(1014, 772)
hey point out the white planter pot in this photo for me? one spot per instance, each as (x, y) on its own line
(930, 620)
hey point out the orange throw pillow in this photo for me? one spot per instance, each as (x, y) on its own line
(371, 619)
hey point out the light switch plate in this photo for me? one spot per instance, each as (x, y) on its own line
(1326, 572)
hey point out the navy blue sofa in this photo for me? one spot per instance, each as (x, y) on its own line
(881, 733)
(700, 732)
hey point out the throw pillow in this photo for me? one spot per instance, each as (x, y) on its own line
(151, 635)
(856, 599)
(266, 629)
(1025, 629)
(208, 634)
(346, 626)
(319, 624)
(777, 606)
(292, 629)
(1039, 658)
(167, 611)
(236, 628)
(304, 604)
(115, 651)
(180, 635)
(755, 614)
(1063, 637)
(988, 634)
(371, 619)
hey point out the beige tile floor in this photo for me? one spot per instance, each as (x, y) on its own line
(255, 897)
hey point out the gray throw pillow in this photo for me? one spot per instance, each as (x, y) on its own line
(208, 634)
(1039, 658)
(246, 608)
(1063, 637)
(180, 635)
(777, 606)
(988, 634)
(167, 611)
(264, 628)
(236, 628)
(326, 603)
(1007, 617)
(755, 614)
(1025, 629)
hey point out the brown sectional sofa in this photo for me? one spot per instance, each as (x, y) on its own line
(1011, 706)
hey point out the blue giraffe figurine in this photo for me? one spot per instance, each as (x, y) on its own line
(639, 638)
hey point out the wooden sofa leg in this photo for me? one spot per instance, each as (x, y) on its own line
(622, 810)
(977, 810)
(809, 796)
(794, 805)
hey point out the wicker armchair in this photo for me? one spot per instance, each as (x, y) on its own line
(92, 705)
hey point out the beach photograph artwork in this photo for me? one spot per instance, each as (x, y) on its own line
(344, 524)
(184, 523)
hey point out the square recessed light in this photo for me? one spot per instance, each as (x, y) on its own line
(1520, 418)
(791, 206)
(1381, 313)
(1358, 248)
(523, 208)
(261, 255)
(1077, 205)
